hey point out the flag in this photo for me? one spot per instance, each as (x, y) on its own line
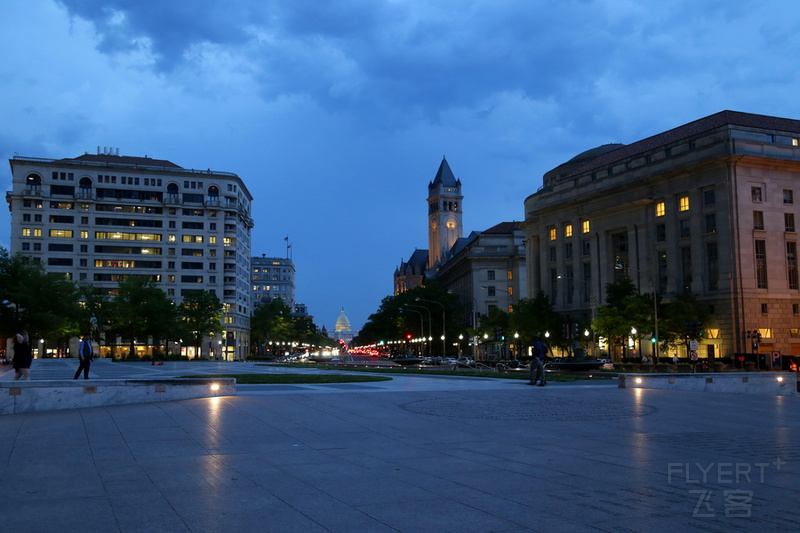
(288, 245)
(286, 238)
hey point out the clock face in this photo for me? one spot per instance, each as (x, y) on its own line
(451, 224)
(434, 225)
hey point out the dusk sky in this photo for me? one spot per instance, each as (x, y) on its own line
(337, 113)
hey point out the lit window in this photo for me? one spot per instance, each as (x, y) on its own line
(510, 274)
(684, 203)
(661, 209)
(26, 232)
(61, 233)
(795, 142)
(568, 230)
(755, 193)
(171, 238)
(37, 232)
(84, 234)
(552, 234)
(212, 240)
(585, 228)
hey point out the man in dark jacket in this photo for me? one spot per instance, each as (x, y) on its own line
(85, 353)
(537, 363)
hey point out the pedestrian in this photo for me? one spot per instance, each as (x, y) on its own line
(537, 363)
(22, 356)
(85, 353)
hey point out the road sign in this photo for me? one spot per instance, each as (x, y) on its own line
(693, 345)
(776, 360)
(693, 355)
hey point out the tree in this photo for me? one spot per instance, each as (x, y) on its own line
(389, 323)
(535, 316)
(200, 315)
(45, 305)
(624, 310)
(140, 310)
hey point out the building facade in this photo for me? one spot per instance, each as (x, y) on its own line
(487, 269)
(706, 208)
(273, 277)
(445, 224)
(99, 219)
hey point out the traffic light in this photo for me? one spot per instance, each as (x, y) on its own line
(575, 328)
(408, 336)
(653, 339)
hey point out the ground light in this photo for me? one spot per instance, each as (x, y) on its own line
(638, 381)
(215, 387)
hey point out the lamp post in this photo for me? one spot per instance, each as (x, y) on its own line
(429, 338)
(444, 346)
(655, 308)
(421, 323)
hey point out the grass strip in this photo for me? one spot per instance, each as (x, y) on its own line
(416, 371)
(272, 379)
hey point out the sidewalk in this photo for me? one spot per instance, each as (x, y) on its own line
(411, 454)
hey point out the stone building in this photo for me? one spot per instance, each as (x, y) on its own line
(707, 207)
(99, 219)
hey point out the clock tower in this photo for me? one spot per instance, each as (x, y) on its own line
(444, 214)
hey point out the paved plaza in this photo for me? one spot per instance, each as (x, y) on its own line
(421, 453)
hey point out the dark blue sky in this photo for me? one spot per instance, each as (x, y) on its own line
(337, 114)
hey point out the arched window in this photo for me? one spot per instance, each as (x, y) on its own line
(173, 193)
(33, 184)
(85, 188)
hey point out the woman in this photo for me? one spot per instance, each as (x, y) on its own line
(22, 356)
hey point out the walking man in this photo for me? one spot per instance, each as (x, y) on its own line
(85, 353)
(537, 363)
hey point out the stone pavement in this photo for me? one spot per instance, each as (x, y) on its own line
(412, 454)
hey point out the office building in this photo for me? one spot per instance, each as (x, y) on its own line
(706, 208)
(273, 277)
(100, 218)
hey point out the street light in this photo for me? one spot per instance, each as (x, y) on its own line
(444, 349)
(429, 338)
(655, 307)
(421, 323)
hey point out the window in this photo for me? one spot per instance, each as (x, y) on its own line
(661, 265)
(568, 250)
(585, 226)
(510, 291)
(761, 263)
(755, 193)
(788, 196)
(764, 309)
(490, 275)
(553, 234)
(709, 197)
(586, 248)
(661, 233)
(685, 229)
(791, 265)
(711, 223)
(712, 266)
(490, 291)
(788, 221)
(758, 220)
(660, 209)
(683, 203)
(686, 268)
(568, 230)
(552, 254)
(510, 274)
